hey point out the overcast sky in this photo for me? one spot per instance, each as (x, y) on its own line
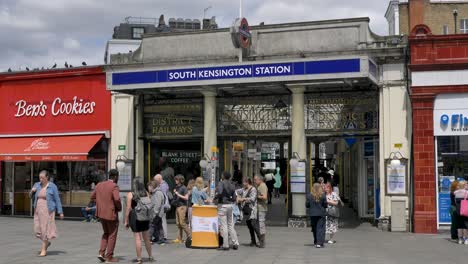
(38, 33)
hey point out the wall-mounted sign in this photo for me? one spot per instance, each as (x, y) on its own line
(342, 112)
(173, 120)
(396, 178)
(451, 122)
(240, 34)
(122, 147)
(238, 146)
(451, 115)
(55, 105)
(180, 156)
(241, 71)
(298, 178)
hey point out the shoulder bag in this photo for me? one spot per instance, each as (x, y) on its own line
(247, 209)
(464, 206)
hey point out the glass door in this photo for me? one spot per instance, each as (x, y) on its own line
(21, 186)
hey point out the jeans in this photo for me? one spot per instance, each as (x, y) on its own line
(261, 222)
(155, 229)
(181, 218)
(318, 228)
(226, 225)
(163, 232)
(88, 215)
(251, 225)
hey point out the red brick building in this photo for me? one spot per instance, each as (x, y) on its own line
(439, 94)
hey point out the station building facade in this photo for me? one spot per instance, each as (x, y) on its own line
(327, 93)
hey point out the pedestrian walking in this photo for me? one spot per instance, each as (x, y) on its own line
(461, 195)
(332, 217)
(137, 206)
(270, 183)
(453, 212)
(226, 197)
(248, 203)
(106, 195)
(316, 203)
(278, 183)
(180, 203)
(168, 195)
(46, 204)
(262, 208)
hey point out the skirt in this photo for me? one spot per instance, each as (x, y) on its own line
(332, 225)
(137, 226)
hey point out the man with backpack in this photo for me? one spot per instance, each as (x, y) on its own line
(226, 197)
(162, 184)
(159, 199)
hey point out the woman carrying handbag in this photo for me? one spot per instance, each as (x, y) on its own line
(333, 213)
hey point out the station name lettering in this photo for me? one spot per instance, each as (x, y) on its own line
(58, 107)
(229, 72)
(172, 125)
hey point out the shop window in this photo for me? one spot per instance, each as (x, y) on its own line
(464, 26)
(137, 32)
(59, 174)
(84, 177)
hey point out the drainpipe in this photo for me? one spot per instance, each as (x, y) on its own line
(411, 165)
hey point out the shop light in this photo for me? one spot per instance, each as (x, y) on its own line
(204, 162)
(120, 162)
(294, 161)
(395, 161)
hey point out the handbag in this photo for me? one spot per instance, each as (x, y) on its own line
(247, 209)
(464, 206)
(333, 211)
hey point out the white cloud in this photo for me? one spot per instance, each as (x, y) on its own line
(71, 44)
(40, 33)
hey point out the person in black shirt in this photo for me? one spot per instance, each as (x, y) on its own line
(180, 203)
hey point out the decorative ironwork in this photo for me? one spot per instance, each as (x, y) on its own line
(345, 112)
(253, 114)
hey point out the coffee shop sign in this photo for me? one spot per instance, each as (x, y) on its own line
(58, 106)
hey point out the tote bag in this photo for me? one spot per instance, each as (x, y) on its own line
(464, 206)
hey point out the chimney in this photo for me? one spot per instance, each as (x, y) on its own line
(416, 13)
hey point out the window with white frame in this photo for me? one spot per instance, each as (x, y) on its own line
(137, 32)
(445, 30)
(464, 26)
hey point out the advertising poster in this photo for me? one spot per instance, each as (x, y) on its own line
(125, 178)
(298, 178)
(396, 180)
(444, 199)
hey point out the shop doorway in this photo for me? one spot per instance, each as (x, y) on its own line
(351, 165)
(266, 157)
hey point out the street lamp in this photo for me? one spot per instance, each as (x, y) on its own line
(455, 15)
(395, 161)
(204, 161)
(120, 162)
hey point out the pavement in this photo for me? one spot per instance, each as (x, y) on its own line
(78, 243)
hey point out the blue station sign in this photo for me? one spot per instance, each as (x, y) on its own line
(244, 71)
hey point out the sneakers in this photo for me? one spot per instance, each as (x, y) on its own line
(466, 241)
(331, 242)
(177, 241)
(460, 241)
(318, 246)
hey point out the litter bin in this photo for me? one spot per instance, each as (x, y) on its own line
(204, 226)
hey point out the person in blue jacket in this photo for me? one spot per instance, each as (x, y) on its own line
(46, 205)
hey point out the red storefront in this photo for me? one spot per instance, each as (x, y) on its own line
(439, 94)
(57, 120)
